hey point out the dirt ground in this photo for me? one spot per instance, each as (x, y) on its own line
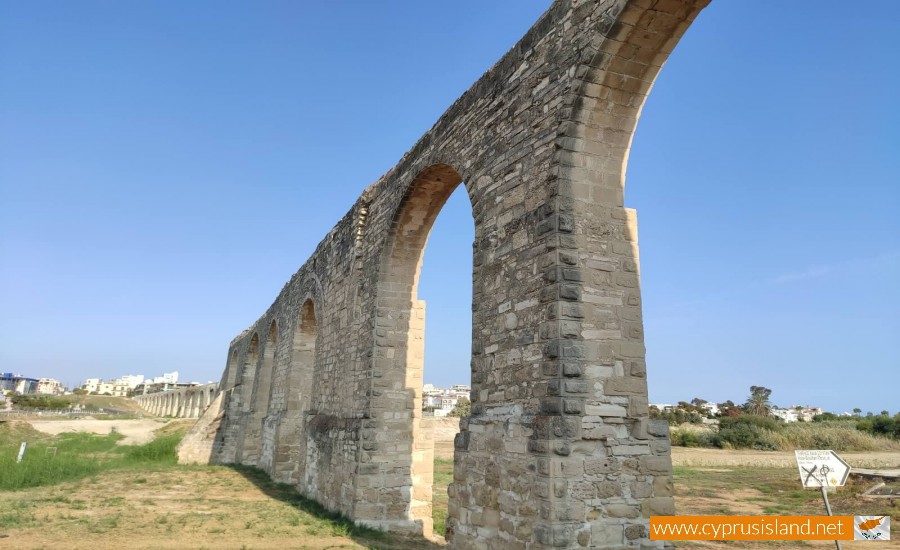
(214, 507)
(446, 428)
(218, 507)
(683, 456)
(136, 431)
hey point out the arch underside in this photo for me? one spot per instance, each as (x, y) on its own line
(559, 451)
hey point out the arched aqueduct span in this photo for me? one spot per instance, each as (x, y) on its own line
(181, 403)
(324, 390)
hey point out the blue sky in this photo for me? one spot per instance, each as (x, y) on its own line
(165, 167)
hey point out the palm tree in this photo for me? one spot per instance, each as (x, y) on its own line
(758, 402)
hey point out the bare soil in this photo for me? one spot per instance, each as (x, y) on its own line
(684, 456)
(136, 431)
(212, 507)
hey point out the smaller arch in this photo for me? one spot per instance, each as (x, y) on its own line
(303, 358)
(241, 398)
(298, 400)
(258, 402)
(248, 372)
(231, 370)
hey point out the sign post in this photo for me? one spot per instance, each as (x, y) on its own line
(822, 469)
(22, 448)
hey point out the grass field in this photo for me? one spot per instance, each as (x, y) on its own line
(138, 498)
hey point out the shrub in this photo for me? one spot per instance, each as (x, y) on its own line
(691, 435)
(764, 422)
(882, 425)
(837, 436)
(745, 435)
(39, 402)
(463, 408)
(160, 450)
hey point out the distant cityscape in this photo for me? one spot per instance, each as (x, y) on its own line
(795, 413)
(124, 386)
(436, 401)
(439, 401)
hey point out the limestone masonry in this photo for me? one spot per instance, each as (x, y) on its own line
(324, 390)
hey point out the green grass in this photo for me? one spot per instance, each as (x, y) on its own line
(443, 475)
(71, 456)
(779, 491)
(768, 434)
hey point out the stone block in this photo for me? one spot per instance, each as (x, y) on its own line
(658, 506)
(607, 535)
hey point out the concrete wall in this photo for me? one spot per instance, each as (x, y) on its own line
(324, 390)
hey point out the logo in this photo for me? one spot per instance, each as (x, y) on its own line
(871, 527)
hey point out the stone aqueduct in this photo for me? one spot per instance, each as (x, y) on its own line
(324, 390)
(182, 403)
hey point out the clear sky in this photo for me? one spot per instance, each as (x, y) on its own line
(166, 166)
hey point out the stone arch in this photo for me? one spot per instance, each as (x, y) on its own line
(259, 399)
(291, 440)
(264, 416)
(243, 395)
(248, 373)
(400, 341)
(231, 371)
(628, 44)
(618, 76)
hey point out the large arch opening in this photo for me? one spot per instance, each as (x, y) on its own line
(697, 338)
(400, 338)
(762, 267)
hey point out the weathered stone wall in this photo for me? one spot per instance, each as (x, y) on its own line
(199, 443)
(324, 390)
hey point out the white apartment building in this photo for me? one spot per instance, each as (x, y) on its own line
(796, 413)
(131, 380)
(49, 386)
(166, 378)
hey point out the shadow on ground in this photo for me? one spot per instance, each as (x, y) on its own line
(370, 538)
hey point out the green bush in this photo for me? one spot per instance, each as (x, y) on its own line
(39, 402)
(691, 439)
(882, 425)
(831, 417)
(764, 422)
(745, 435)
(160, 450)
